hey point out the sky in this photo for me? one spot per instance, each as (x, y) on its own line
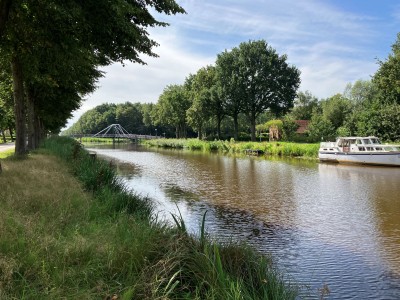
(332, 43)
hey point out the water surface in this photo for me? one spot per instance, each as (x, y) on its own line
(325, 224)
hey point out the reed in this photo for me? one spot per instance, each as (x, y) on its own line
(71, 230)
(269, 148)
(102, 140)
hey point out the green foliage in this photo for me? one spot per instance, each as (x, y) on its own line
(6, 102)
(360, 92)
(201, 90)
(380, 121)
(387, 78)
(335, 110)
(321, 129)
(304, 105)
(171, 109)
(343, 131)
(83, 36)
(274, 123)
(289, 127)
(245, 74)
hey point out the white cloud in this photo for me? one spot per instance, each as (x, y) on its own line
(144, 83)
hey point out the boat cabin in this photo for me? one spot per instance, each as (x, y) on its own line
(358, 144)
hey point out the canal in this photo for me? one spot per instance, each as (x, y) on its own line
(327, 226)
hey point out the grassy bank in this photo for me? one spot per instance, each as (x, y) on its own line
(71, 230)
(268, 148)
(102, 140)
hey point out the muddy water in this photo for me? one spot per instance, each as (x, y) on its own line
(326, 225)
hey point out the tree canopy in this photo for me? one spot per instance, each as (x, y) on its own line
(55, 48)
(260, 79)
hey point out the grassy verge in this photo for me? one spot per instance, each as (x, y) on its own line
(6, 153)
(269, 148)
(71, 230)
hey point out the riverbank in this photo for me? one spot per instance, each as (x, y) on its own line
(71, 229)
(264, 148)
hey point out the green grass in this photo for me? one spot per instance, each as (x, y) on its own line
(70, 229)
(6, 153)
(287, 149)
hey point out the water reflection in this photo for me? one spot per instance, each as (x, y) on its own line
(325, 224)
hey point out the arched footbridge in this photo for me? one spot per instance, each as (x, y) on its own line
(116, 131)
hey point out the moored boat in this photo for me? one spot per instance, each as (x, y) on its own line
(360, 150)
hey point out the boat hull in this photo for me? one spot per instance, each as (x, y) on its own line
(381, 159)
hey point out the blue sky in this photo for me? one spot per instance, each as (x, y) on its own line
(332, 42)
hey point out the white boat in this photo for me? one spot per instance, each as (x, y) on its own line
(360, 150)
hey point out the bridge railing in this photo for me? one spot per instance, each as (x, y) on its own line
(123, 136)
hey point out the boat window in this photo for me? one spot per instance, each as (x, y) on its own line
(369, 149)
(358, 142)
(361, 148)
(366, 141)
(375, 141)
(378, 148)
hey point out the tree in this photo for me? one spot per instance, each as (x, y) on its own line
(321, 129)
(304, 104)
(98, 32)
(360, 91)
(387, 78)
(262, 79)
(130, 116)
(289, 127)
(171, 109)
(336, 109)
(200, 89)
(227, 77)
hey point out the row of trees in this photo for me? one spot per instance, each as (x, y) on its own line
(254, 84)
(246, 82)
(51, 52)
(245, 88)
(249, 80)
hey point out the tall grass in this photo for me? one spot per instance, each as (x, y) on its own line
(103, 140)
(268, 148)
(87, 236)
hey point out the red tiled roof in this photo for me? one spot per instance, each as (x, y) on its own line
(303, 125)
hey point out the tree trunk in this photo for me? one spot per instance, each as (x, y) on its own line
(19, 106)
(11, 134)
(236, 127)
(31, 120)
(39, 132)
(219, 128)
(4, 136)
(252, 119)
(200, 133)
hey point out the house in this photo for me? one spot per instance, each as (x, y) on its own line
(303, 126)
